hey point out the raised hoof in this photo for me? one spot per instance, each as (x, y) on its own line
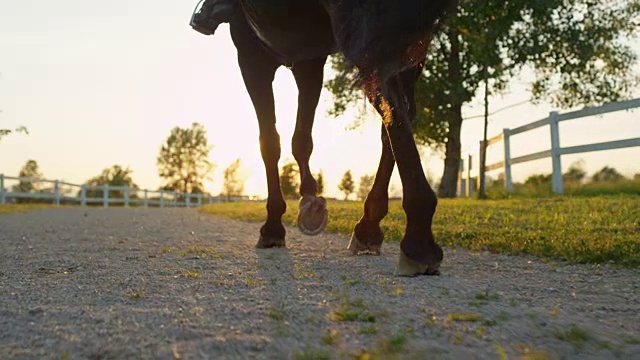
(358, 248)
(408, 267)
(313, 215)
(266, 242)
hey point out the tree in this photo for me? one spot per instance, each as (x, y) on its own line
(183, 162)
(346, 184)
(575, 174)
(289, 180)
(575, 48)
(29, 170)
(113, 176)
(366, 182)
(538, 179)
(320, 181)
(233, 183)
(607, 174)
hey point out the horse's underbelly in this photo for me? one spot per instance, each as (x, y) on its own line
(293, 29)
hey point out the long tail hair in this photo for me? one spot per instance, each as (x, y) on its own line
(381, 38)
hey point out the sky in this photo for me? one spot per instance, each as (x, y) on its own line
(103, 82)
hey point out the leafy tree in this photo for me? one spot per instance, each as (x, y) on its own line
(233, 183)
(183, 162)
(636, 177)
(113, 176)
(29, 170)
(575, 174)
(575, 48)
(538, 179)
(366, 182)
(320, 181)
(607, 174)
(289, 180)
(346, 185)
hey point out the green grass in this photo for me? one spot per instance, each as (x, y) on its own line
(352, 311)
(573, 335)
(22, 208)
(575, 229)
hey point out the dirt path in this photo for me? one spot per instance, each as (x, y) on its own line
(163, 284)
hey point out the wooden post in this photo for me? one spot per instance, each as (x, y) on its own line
(508, 180)
(83, 195)
(482, 169)
(146, 198)
(56, 192)
(161, 198)
(175, 198)
(3, 198)
(187, 200)
(126, 196)
(199, 197)
(105, 195)
(556, 177)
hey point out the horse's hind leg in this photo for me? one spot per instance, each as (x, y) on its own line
(367, 236)
(258, 73)
(419, 252)
(312, 217)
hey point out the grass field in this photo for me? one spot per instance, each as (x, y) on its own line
(17, 208)
(575, 229)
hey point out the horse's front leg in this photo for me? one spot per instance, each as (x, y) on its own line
(419, 252)
(367, 236)
(258, 73)
(312, 216)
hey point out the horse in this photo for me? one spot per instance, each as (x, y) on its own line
(385, 42)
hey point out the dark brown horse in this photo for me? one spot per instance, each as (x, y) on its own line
(386, 41)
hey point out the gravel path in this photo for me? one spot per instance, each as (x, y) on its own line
(175, 283)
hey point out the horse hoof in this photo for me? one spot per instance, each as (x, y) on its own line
(408, 267)
(266, 242)
(359, 248)
(313, 215)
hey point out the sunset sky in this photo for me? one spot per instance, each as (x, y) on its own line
(103, 82)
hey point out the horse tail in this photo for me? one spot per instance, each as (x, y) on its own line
(381, 38)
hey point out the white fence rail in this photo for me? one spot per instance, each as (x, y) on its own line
(130, 196)
(556, 151)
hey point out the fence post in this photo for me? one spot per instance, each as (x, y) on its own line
(56, 192)
(210, 199)
(462, 190)
(161, 198)
(105, 195)
(83, 195)
(199, 197)
(2, 194)
(126, 196)
(556, 177)
(175, 199)
(187, 200)
(508, 180)
(146, 200)
(469, 182)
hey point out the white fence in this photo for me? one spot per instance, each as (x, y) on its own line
(466, 184)
(63, 192)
